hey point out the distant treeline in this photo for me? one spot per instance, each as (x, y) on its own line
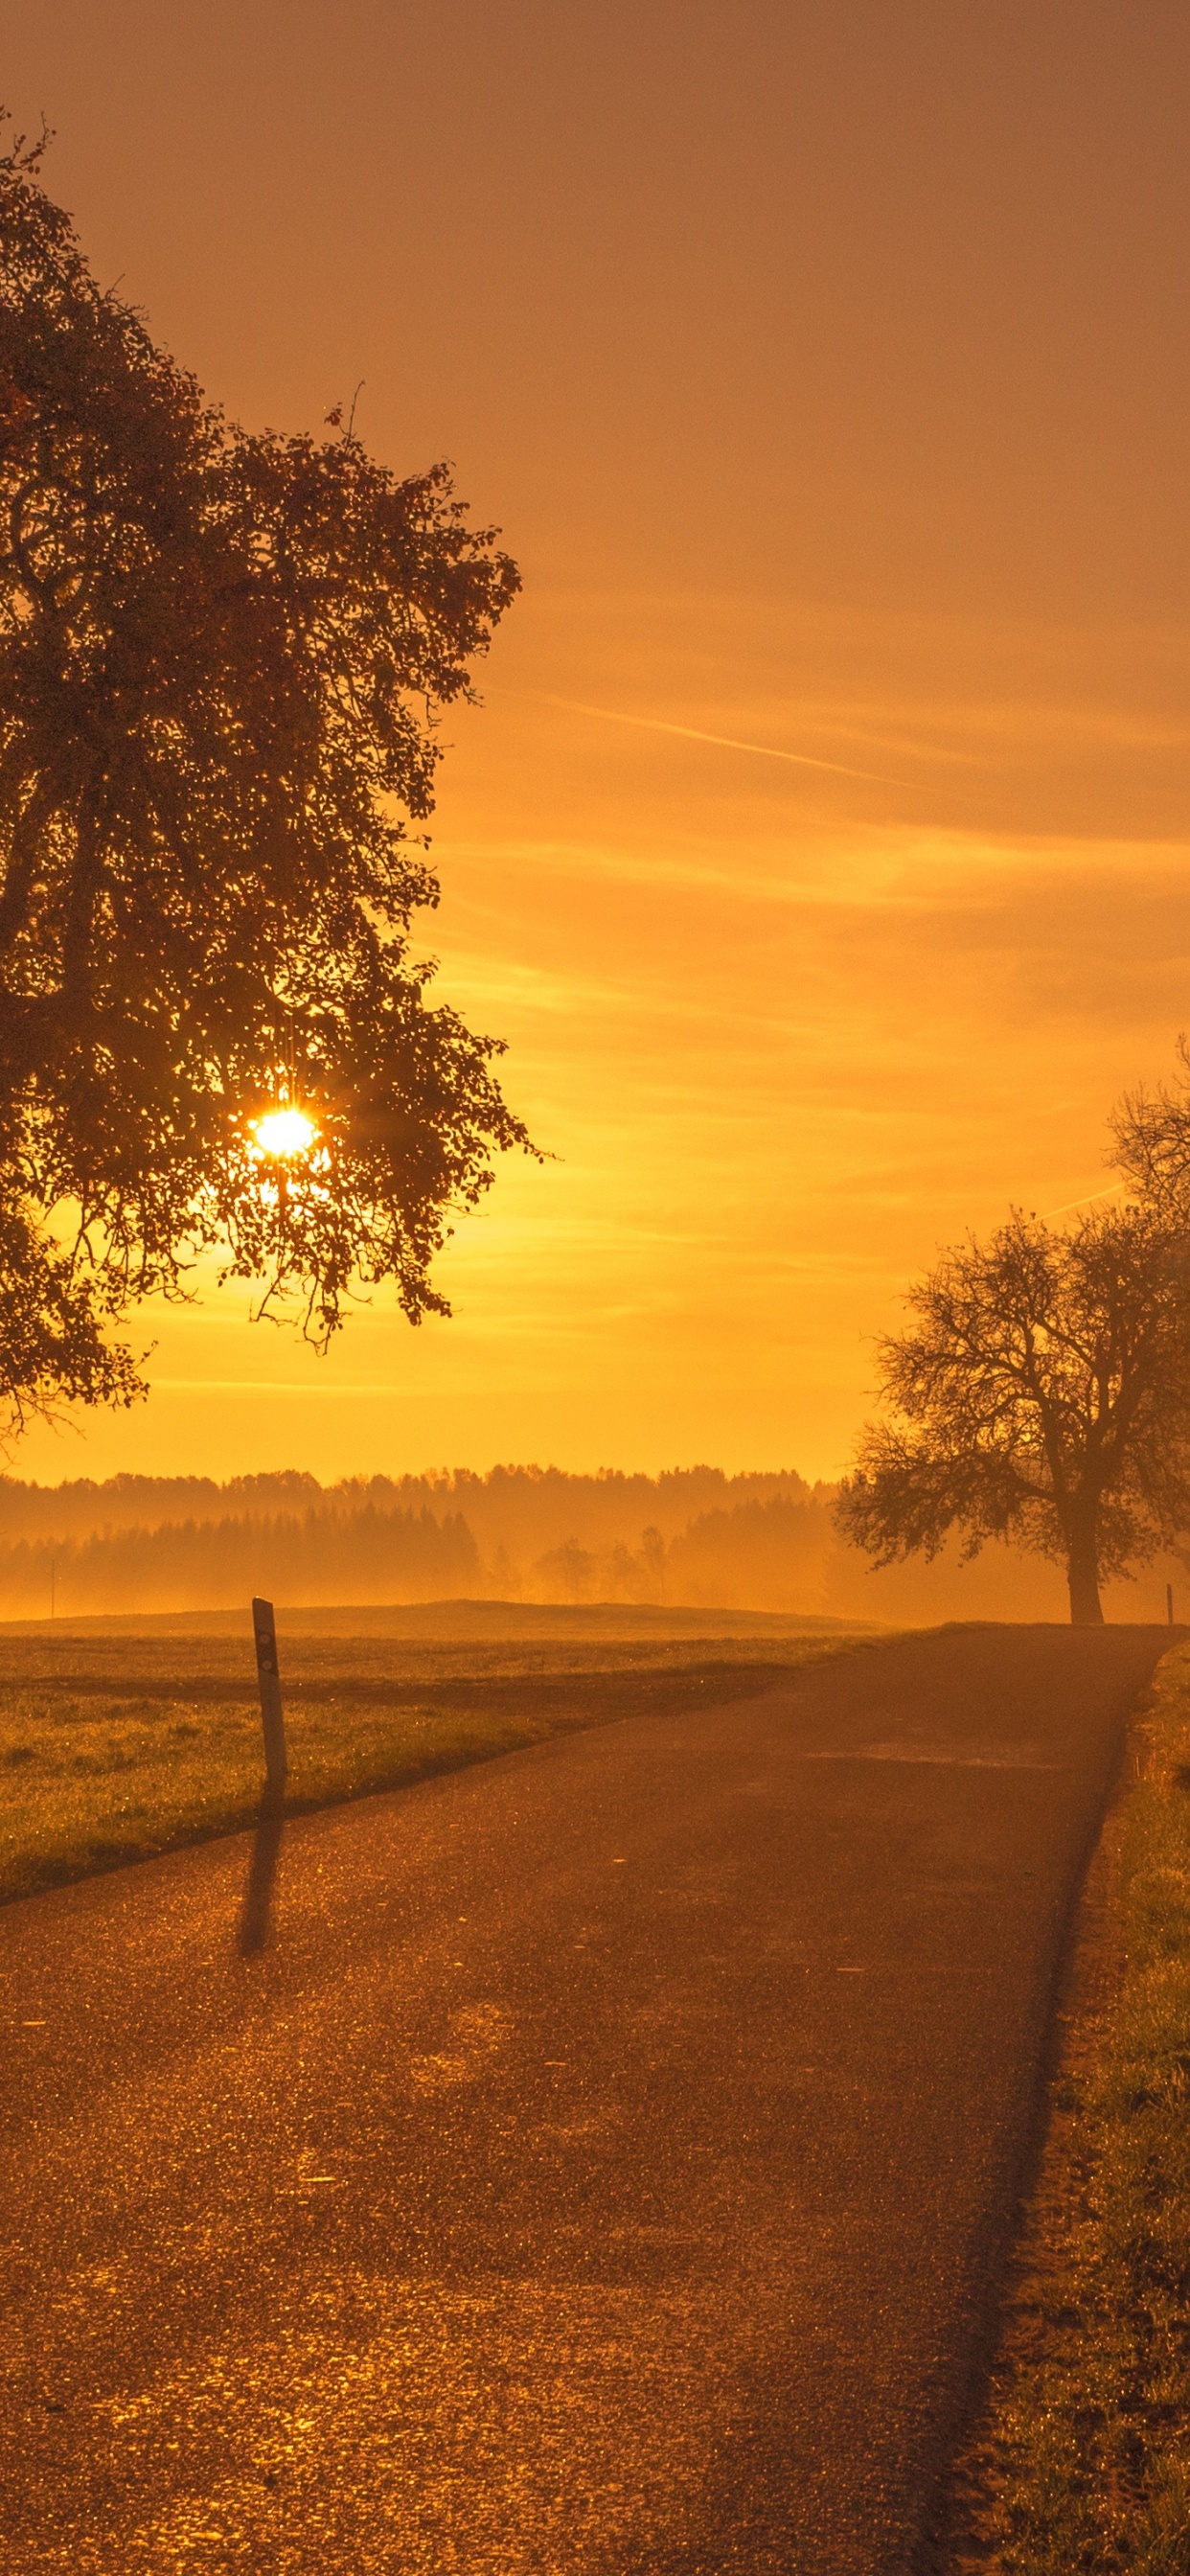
(313, 1556)
(525, 1509)
(694, 1536)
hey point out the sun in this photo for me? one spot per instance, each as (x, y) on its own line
(283, 1132)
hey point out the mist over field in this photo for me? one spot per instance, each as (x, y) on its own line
(694, 1537)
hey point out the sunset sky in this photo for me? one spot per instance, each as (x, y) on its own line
(820, 845)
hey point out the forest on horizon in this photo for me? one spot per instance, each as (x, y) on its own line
(691, 1537)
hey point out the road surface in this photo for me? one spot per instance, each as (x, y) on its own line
(589, 2164)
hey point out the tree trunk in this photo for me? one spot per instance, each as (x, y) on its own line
(1082, 1575)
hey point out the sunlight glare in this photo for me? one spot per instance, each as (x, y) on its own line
(282, 1132)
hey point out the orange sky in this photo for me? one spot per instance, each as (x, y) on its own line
(826, 369)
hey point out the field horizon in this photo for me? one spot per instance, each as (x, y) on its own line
(462, 1617)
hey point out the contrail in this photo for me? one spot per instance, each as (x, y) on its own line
(1090, 1200)
(723, 741)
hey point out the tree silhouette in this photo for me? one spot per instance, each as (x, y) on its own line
(222, 661)
(1043, 1396)
(1152, 1141)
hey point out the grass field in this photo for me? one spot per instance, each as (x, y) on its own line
(121, 1740)
(1082, 2464)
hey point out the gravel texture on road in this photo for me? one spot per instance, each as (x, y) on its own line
(593, 2164)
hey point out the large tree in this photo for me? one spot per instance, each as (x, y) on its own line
(222, 662)
(1042, 1395)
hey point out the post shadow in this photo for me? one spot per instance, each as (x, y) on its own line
(256, 1916)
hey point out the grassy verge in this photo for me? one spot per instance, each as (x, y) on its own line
(114, 1749)
(1083, 2465)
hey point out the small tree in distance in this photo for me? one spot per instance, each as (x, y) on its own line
(1042, 1395)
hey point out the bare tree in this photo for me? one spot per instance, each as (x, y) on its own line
(1152, 1140)
(1042, 1395)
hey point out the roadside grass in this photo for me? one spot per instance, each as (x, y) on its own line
(114, 1749)
(1082, 2467)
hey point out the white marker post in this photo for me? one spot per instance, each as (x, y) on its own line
(276, 1761)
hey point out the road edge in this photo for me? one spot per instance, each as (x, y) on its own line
(1057, 2473)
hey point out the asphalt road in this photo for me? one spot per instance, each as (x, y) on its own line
(594, 2164)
